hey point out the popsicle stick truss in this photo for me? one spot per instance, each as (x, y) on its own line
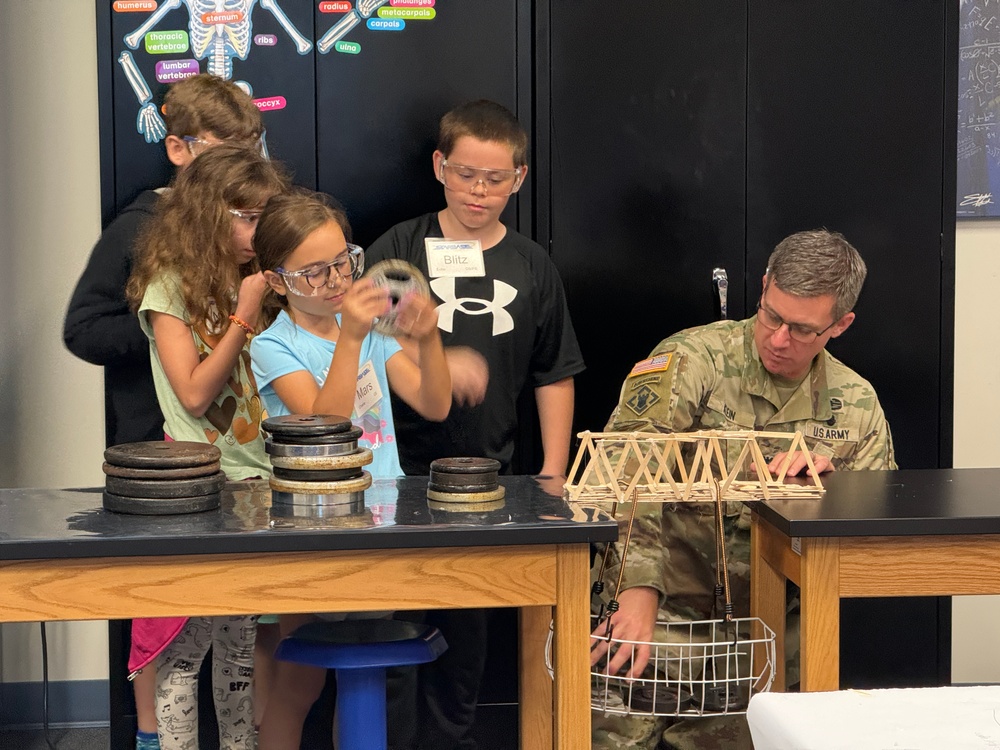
(678, 467)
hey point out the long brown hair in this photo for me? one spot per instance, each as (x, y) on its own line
(191, 233)
(286, 222)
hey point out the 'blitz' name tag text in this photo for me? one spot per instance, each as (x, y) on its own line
(454, 257)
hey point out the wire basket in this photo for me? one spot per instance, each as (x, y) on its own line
(701, 668)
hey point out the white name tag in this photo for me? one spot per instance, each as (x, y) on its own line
(454, 257)
(368, 393)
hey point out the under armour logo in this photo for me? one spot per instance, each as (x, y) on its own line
(503, 295)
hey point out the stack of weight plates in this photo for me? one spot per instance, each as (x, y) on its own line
(316, 460)
(465, 482)
(162, 478)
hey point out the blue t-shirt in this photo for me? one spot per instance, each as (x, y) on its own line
(285, 348)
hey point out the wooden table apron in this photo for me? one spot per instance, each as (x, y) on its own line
(827, 569)
(547, 581)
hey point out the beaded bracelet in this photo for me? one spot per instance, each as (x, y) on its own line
(247, 328)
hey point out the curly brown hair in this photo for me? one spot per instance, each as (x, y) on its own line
(191, 234)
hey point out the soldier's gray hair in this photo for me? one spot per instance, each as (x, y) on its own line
(818, 262)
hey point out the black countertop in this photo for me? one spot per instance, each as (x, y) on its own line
(908, 502)
(39, 524)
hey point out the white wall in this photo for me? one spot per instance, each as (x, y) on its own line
(51, 404)
(976, 619)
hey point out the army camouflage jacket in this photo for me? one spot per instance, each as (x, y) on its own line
(711, 378)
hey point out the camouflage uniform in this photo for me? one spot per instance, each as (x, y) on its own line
(711, 378)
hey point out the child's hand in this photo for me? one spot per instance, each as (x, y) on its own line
(416, 317)
(470, 374)
(362, 303)
(248, 300)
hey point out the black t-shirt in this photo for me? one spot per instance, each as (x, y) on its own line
(515, 316)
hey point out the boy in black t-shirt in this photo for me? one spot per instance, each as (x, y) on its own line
(501, 297)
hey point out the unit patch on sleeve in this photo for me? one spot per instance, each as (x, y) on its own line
(642, 400)
(659, 363)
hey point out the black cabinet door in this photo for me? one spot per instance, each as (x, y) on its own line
(850, 127)
(379, 102)
(647, 191)
(846, 129)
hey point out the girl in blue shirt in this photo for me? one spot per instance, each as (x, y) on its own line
(320, 356)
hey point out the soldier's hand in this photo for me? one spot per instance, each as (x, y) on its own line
(798, 465)
(634, 621)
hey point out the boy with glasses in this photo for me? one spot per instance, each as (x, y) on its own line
(499, 296)
(199, 112)
(768, 373)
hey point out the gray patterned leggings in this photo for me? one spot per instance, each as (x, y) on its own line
(231, 639)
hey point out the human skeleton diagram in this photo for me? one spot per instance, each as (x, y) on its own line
(220, 30)
(362, 9)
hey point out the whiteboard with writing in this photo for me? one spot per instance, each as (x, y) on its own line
(978, 168)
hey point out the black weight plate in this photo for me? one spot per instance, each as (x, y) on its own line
(465, 465)
(316, 475)
(349, 436)
(182, 473)
(465, 480)
(463, 489)
(309, 425)
(156, 488)
(154, 506)
(162, 454)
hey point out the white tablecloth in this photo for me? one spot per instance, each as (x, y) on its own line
(948, 718)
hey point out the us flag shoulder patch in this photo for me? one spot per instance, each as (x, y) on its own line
(659, 363)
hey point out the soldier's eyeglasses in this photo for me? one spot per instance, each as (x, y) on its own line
(796, 331)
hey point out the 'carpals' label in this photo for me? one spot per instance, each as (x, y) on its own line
(166, 42)
(386, 24)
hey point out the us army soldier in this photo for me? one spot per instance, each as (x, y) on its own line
(768, 373)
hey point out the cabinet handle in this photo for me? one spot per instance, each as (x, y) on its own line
(721, 281)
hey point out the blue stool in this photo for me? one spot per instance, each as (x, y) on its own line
(360, 651)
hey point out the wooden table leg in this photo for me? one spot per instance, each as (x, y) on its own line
(535, 698)
(572, 638)
(820, 621)
(767, 601)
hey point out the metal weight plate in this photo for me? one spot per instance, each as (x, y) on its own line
(316, 475)
(322, 488)
(466, 497)
(166, 488)
(305, 450)
(294, 505)
(351, 436)
(472, 487)
(464, 465)
(162, 454)
(181, 473)
(155, 506)
(305, 425)
(400, 278)
(361, 457)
